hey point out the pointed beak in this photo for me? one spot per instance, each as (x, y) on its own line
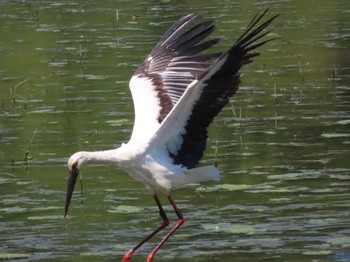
(73, 175)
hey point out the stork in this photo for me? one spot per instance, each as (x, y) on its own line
(177, 91)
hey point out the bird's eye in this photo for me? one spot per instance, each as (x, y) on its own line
(75, 166)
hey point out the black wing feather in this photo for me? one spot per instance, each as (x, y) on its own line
(175, 61)
(219, 88)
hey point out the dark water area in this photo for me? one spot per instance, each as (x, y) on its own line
(282, 144)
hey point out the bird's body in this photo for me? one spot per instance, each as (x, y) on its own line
(177, 91)
(153, 168)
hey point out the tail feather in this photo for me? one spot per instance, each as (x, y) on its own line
(204, 173)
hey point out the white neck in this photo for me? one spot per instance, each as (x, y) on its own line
(106, 156)
(115, 156)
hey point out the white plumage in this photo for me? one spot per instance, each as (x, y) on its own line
(177, 91)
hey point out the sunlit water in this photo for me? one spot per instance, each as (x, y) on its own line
(282, 144)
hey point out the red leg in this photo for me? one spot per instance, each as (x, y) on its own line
(128, 255)
(178, 224)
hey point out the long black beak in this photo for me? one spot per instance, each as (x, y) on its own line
(73, 175)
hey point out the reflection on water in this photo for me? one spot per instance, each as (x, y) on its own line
(282, 144)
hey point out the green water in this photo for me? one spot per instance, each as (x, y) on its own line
(282, 144)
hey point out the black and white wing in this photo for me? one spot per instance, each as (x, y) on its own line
(184, 130)
(174, 63)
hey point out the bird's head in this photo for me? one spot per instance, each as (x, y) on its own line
(74, 164)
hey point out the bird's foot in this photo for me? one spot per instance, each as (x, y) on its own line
(127, 257)
(150, 257)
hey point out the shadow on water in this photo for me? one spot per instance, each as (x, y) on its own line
(282, 144)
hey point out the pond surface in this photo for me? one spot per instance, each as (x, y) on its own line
(282, 144)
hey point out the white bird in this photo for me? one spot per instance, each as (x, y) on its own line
(177, 91)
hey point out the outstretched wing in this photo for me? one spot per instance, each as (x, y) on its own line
(174, 63)
(184, 130)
